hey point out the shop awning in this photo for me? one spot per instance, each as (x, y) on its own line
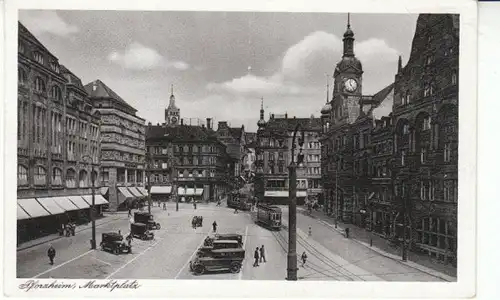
(189, 192)
(181, 191)
(21, 214)
(98, 199)
(104, 190)
(65, 203)
(32, 207)
(199, 192)
(49, 204)
(142, 190)
(79, 202)
(166, 189)
(300, 194)
(124, 191)
(135, 192)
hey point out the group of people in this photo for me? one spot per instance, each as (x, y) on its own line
(67, 229)
(259, 256)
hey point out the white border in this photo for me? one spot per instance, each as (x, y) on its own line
(465, 287)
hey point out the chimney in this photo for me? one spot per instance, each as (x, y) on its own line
(209, 123)
(286, 115)
(222, 124)
(182, 121)
(400, 65)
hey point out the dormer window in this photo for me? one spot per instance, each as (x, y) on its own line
(38, 57)
(54, 66)
(454, 77)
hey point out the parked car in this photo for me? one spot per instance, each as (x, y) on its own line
(140, 231)
(225, 236)
(146, 218)
(113, 242)
(229, 259)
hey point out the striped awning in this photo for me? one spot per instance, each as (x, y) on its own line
(33, 208)
(189, 192)
(124, 191)
(49, 204)
(98, 199)
(165, 189)
(181, 191)
(198, 192)
(135, 192)
(142, 190)
(104, 190)
(300, 194)
(65, 203)
(22, 214)
(79, 202)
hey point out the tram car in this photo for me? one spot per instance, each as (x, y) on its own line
(269, 216)
(239, 201)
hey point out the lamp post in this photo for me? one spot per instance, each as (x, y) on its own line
(336, 194)
(292, 210)
(92, 208)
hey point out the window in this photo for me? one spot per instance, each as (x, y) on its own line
(454, 77)
(428, 60)
(427, 90)
(83, 179)
(406, 129)
(21, 76)
(423, 155)
(55, 93)
(54, 66)
(40, 176)
(447, 152)
(356, 141)
(56, 176)
(39, 85)
(20, 47)
(366, 140)
(22, 175)
(403, 157)
(38, 57)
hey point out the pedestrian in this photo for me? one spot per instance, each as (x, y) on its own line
(51, 253)
(256, 257)
(304, 258)
(214, 226)
(235, 210)
(129, 212)
(310, 231)
(119, 232)
(262, 254)
(164, 205)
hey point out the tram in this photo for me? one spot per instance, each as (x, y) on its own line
(269, 216)
(239, 201)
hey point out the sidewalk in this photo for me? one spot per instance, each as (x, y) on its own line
(381, 246)
(55, 236)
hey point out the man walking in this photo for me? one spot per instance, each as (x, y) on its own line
(51, 253)
(256, 257)
(214, 226)
(262, 254)
(304, 258)
(129, 212)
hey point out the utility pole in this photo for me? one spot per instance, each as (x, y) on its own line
(336, 194)
(92, 209)
(292, 210)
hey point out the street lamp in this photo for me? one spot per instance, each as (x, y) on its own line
(92, 208)
(292, 210)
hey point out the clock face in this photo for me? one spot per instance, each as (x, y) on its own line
(174, 120)
(350, 85)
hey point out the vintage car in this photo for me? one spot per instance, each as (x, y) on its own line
(197, 221)
(140, 231)
(113, 242)
(146, 218)
(225, 236)
(218, 260)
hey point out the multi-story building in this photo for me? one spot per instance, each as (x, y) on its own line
(398, 170)
(122, 147)
(274, 141)
(234, 139)
(58, 142)
(186, 161)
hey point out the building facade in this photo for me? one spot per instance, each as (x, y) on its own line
(58, 142)
(273, 156)
(234, 139)
(122, 147)
(396, 173)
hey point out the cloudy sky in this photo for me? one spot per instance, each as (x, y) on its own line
(221, 64)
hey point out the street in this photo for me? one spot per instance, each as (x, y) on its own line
(330, 255)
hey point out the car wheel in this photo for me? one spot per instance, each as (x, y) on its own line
(235, 267)
(199, 269)
(116, 251)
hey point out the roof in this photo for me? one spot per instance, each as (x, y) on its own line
(382, 102)
(101, 90)
(71, 78)
(235, 132)
(250, 137)
(26, 33)
(382, 94)
(183, 133)
(289, 124)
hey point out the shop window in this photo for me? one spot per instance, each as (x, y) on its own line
(22, 175)
(56, 176)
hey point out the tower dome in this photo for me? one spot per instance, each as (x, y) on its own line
(326, 109)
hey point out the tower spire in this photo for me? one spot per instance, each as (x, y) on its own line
(327, 87)
(400, 64)
(348, 20)
(172, 89)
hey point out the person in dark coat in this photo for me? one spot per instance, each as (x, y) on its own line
(214, 226)
(304, 258)
(129, 212)
(256, 257)
(51, 253)
(262, 254)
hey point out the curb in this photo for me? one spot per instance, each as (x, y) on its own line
(60, 237)
(391, 256)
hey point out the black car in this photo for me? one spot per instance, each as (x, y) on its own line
(226, 259)
(146, 218)
(225, 236)
(113, 242)
(140, 231)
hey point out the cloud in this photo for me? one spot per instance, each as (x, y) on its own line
(44, 21)
(140, 57)
(304, 66)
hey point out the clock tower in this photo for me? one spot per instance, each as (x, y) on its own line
(348, 79)
(172, 112)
